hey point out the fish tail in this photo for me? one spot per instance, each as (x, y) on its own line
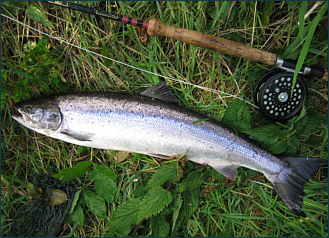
(289, 183)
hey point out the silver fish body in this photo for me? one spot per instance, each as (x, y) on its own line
(141, 124)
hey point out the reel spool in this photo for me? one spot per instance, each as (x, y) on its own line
(274, 98)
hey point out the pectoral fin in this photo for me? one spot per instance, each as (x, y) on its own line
(78, 135)
(229, 171)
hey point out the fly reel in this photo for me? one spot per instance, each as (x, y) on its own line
(274, 98)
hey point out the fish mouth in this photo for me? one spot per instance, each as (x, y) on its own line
(18, 115)
(22, 118)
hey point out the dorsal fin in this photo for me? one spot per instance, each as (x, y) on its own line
(160, 91)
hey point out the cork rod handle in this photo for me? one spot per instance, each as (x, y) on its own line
(157, 28)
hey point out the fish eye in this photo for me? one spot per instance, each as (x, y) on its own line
(28, 109)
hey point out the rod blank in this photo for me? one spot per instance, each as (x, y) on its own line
(124, 19)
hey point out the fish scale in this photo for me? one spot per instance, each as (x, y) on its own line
(153, 123)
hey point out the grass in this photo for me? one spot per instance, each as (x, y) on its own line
(32, 65)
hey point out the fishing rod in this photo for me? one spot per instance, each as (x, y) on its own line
(274, 94)
(156, 28)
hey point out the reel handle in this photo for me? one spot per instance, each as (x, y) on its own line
(158, 28)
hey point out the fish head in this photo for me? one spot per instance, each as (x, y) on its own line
(41, 116)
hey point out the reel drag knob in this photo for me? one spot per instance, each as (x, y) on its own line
(274, 98)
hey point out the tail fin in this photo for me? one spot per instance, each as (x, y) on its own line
(289, 184)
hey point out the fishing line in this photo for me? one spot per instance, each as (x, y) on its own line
(128, 65)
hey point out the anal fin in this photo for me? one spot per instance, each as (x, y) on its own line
(229, 171)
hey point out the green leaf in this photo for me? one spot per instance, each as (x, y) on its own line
(266, 133)
(120, 232)
(95, 203)
(76, 213)
(38, 15)
(165, 172)
(177, 203)
(267, 11)
(191, 199)
(220, 11)
(200, 24)
(68, 174)
(104, 184)
(101, 172)
(193, 180)
(160, 227)
(106, 188)
(293, 142)
(154, 201)
(124, 216)
(213, 12)
(192, 227)
(75, 200)
(271, 137)
(76, 216)
(313, 140)
(139, 191)
(256, 73)
(238, 116)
